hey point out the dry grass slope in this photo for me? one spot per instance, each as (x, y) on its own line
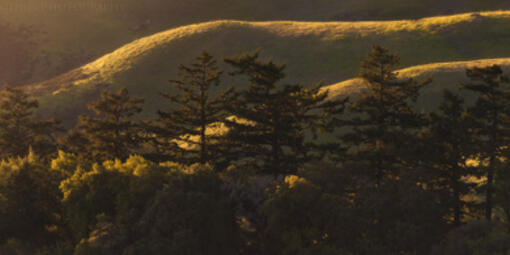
(314, 51)
(445, 75)
(128, 56)
(96, 27)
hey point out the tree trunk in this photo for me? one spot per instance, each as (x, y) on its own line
(490, 172)
(203, 120)
(488, 198)
(456, 192)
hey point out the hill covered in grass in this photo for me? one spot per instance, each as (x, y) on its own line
(445, 75)
(313, 51)
(72, 32)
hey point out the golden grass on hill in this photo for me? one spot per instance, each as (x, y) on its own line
(212, 130)
(451, 67)
(442, 71)
(100, 26)
(313, 51)
(127, 57)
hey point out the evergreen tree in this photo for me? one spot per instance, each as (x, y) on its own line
(197, 111)
(19, 130)
(29, 201)
(382, 117)
(113, 134)
(451, 138)
(492, 111)
(271, 122)
(191, 214)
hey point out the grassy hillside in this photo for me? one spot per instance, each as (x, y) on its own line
(446, 75)
(314, 51)
(71, 27)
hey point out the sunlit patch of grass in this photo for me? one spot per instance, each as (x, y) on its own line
(212, 131)
(293, 180)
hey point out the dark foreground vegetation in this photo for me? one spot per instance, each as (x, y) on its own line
(273, 169)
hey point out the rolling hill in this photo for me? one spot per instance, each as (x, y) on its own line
(314, 51)
(445, 75)
(70, 33)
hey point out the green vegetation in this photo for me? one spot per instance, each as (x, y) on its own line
(492, 112)
(381, 116)
(450, 146)
(276, 120)
(196, 110)
(19, 132)
(399, 182)
(112, 134)
(408, 157)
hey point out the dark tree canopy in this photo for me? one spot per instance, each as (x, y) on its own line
(227, 172)
(492, 112)
(196, 109)
(272, 120)
(381, 117)
(452, 144)
(19, 131)
(113, 133)
(29, 200)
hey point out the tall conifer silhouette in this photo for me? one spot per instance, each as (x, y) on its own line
(19, 130)
(197, 108)
(113, 133)
(492, 111)
(452, 142)
(381, 115)
(272, 119)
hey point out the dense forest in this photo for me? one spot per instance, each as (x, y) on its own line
(273, 168)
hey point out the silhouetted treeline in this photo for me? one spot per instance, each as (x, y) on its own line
(274, 168)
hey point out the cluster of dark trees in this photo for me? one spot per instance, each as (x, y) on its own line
(271, 169)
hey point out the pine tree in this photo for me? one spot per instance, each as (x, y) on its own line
(196, 110)
(113, 134)
(19, 131)
(451, 141)
(381, 115)
(272, 122)
(29, 201)
(492, 112)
